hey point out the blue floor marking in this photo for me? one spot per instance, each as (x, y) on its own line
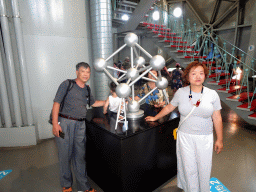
(4, 173)
(217, 186)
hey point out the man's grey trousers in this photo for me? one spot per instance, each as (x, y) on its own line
(71, 149)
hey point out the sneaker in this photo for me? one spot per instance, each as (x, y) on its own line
(67, 189)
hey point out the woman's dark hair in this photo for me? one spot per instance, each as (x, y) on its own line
(112, 86)
(190, 66)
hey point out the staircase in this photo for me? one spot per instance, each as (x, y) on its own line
(186, 44)
(120, 8)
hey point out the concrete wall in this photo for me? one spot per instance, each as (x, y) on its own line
(56, 37)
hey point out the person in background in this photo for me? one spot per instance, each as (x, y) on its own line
(236, 72)
(156, 98)
(71, 122)
(176, 78)
(120, 66)
(112, 101)
(194, 146)
(231, 66)
(165, 72)
(116, 73)
(126, 63)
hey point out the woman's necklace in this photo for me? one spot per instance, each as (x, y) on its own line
(190, 97)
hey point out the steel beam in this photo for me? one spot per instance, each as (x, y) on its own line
(252, 53)
(196, 14)
(176, 1)
(230, 28)
(184, 12)
(242, 11)
(236, 37)
(137, 16)
(215, 11)
(226, 14)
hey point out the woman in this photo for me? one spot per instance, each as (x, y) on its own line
(176, 76)
(194, 145)
(156, 98)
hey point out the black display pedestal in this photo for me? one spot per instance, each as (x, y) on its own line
(140, 159)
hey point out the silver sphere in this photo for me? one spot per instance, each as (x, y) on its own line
(132, 73)
(139, 61)
(123, 90)
(100, 64)
(157, 62)
(162, 84)
(131, 39)
(134, 106)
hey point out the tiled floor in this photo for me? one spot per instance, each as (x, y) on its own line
(35, 169)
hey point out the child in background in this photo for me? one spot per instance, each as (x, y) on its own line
(112, 101)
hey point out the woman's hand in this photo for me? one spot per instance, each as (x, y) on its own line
(217, 122)
(150, 118)
(218, 146)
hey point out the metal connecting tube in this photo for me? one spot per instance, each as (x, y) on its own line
(4, 97)
(147, 94)
(10, 63)
(22, 59)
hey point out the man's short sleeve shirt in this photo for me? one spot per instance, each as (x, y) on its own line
(75, 104)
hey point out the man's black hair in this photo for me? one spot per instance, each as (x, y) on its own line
(82, 64)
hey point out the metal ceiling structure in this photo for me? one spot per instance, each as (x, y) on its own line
(214, 24)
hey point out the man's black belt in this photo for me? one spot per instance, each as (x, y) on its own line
(72, 118)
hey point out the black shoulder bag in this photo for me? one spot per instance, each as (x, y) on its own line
(70, 85)
(89, 94)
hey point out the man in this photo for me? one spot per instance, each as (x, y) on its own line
(71, 121)
(127, 64)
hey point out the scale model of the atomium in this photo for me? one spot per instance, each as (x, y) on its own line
(126, 90)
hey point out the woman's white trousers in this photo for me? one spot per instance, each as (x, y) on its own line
(194, 158)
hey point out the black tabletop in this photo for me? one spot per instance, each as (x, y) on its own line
(108, 121)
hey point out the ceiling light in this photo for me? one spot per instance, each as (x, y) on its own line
(125, 17)
(177, 12)
(156, 15)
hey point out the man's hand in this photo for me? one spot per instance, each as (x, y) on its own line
(99, 103)
(56, 128)
(150, 118)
